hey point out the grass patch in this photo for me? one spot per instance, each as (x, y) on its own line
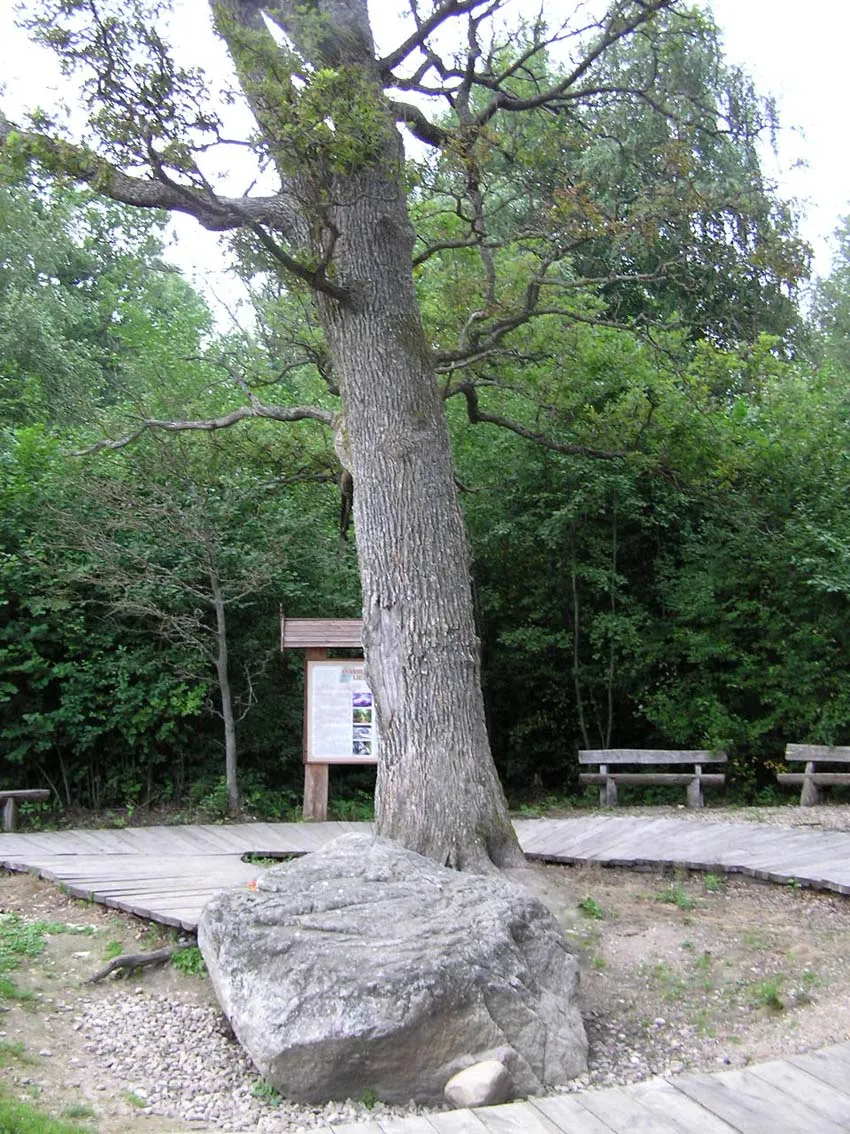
(190, 961)
(676, 895)
(673, 986)
(78, 1110)
(265, 1092)
(768, 994)
(359, 808)
(10, 991)
(113, 949)
(135, 1100)
(260, 859)
(368, 1098)
(20, 939)
(755, 939)
(13, 1051)
(22, 1118)
(591, 908)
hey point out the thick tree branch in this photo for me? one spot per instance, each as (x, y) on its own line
(419, 125)
(477, 416)
(315, 277)
(443, 246)
(416, 40)
(217, 214)
(209, 425)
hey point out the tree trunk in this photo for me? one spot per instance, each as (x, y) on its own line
(234, 804)
(438, 792)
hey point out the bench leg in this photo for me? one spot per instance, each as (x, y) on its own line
(9, 815)
(608, 794)
(810, 795)
(695, 798)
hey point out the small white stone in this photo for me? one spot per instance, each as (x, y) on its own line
(483, 1084)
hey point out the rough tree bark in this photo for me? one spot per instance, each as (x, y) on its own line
(438, 792)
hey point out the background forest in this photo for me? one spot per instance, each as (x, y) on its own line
(655, 487)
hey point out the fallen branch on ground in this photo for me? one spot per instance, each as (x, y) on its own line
(129, 962)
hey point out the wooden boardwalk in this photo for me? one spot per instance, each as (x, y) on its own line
(807, 1094)
(163, 874)
(167, 874)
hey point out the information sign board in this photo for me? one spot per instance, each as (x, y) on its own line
(341, 725)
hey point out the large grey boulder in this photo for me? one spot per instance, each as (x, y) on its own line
(365, 966)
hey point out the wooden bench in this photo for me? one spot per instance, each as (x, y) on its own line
(812, 779)
(9, 801)
(616, 758)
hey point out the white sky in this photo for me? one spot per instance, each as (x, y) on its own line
(797, 53)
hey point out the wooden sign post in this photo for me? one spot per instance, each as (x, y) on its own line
(339, 716)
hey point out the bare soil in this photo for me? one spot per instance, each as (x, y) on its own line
(679, 971)
(704, 971)
(54, 1069)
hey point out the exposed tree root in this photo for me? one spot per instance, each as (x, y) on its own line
(129, 962)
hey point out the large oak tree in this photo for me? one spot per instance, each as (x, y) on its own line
(327, 108)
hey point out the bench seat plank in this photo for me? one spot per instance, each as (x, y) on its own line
(650, 756)
(635, 779)
(822, 779)
(818, 752)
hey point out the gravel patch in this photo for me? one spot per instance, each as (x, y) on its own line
(823, 817)
(181, 1061)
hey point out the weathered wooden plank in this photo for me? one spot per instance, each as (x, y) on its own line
(830, 1065)
(823, 1100)
(661, 779)
(565, 844)
(367, 1126)
(412, 1124)
(515, 1118)
(649, 756)
(303, 633)
(820, 779)
(594, 841)
(751, 1105)
(623, 1113)
(661, 1097)
(569, 1115)
(462, 1121)
(823, 752)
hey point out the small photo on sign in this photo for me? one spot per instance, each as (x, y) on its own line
(362, 716)
(361, 700)
(362, 748)
(363, 732)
